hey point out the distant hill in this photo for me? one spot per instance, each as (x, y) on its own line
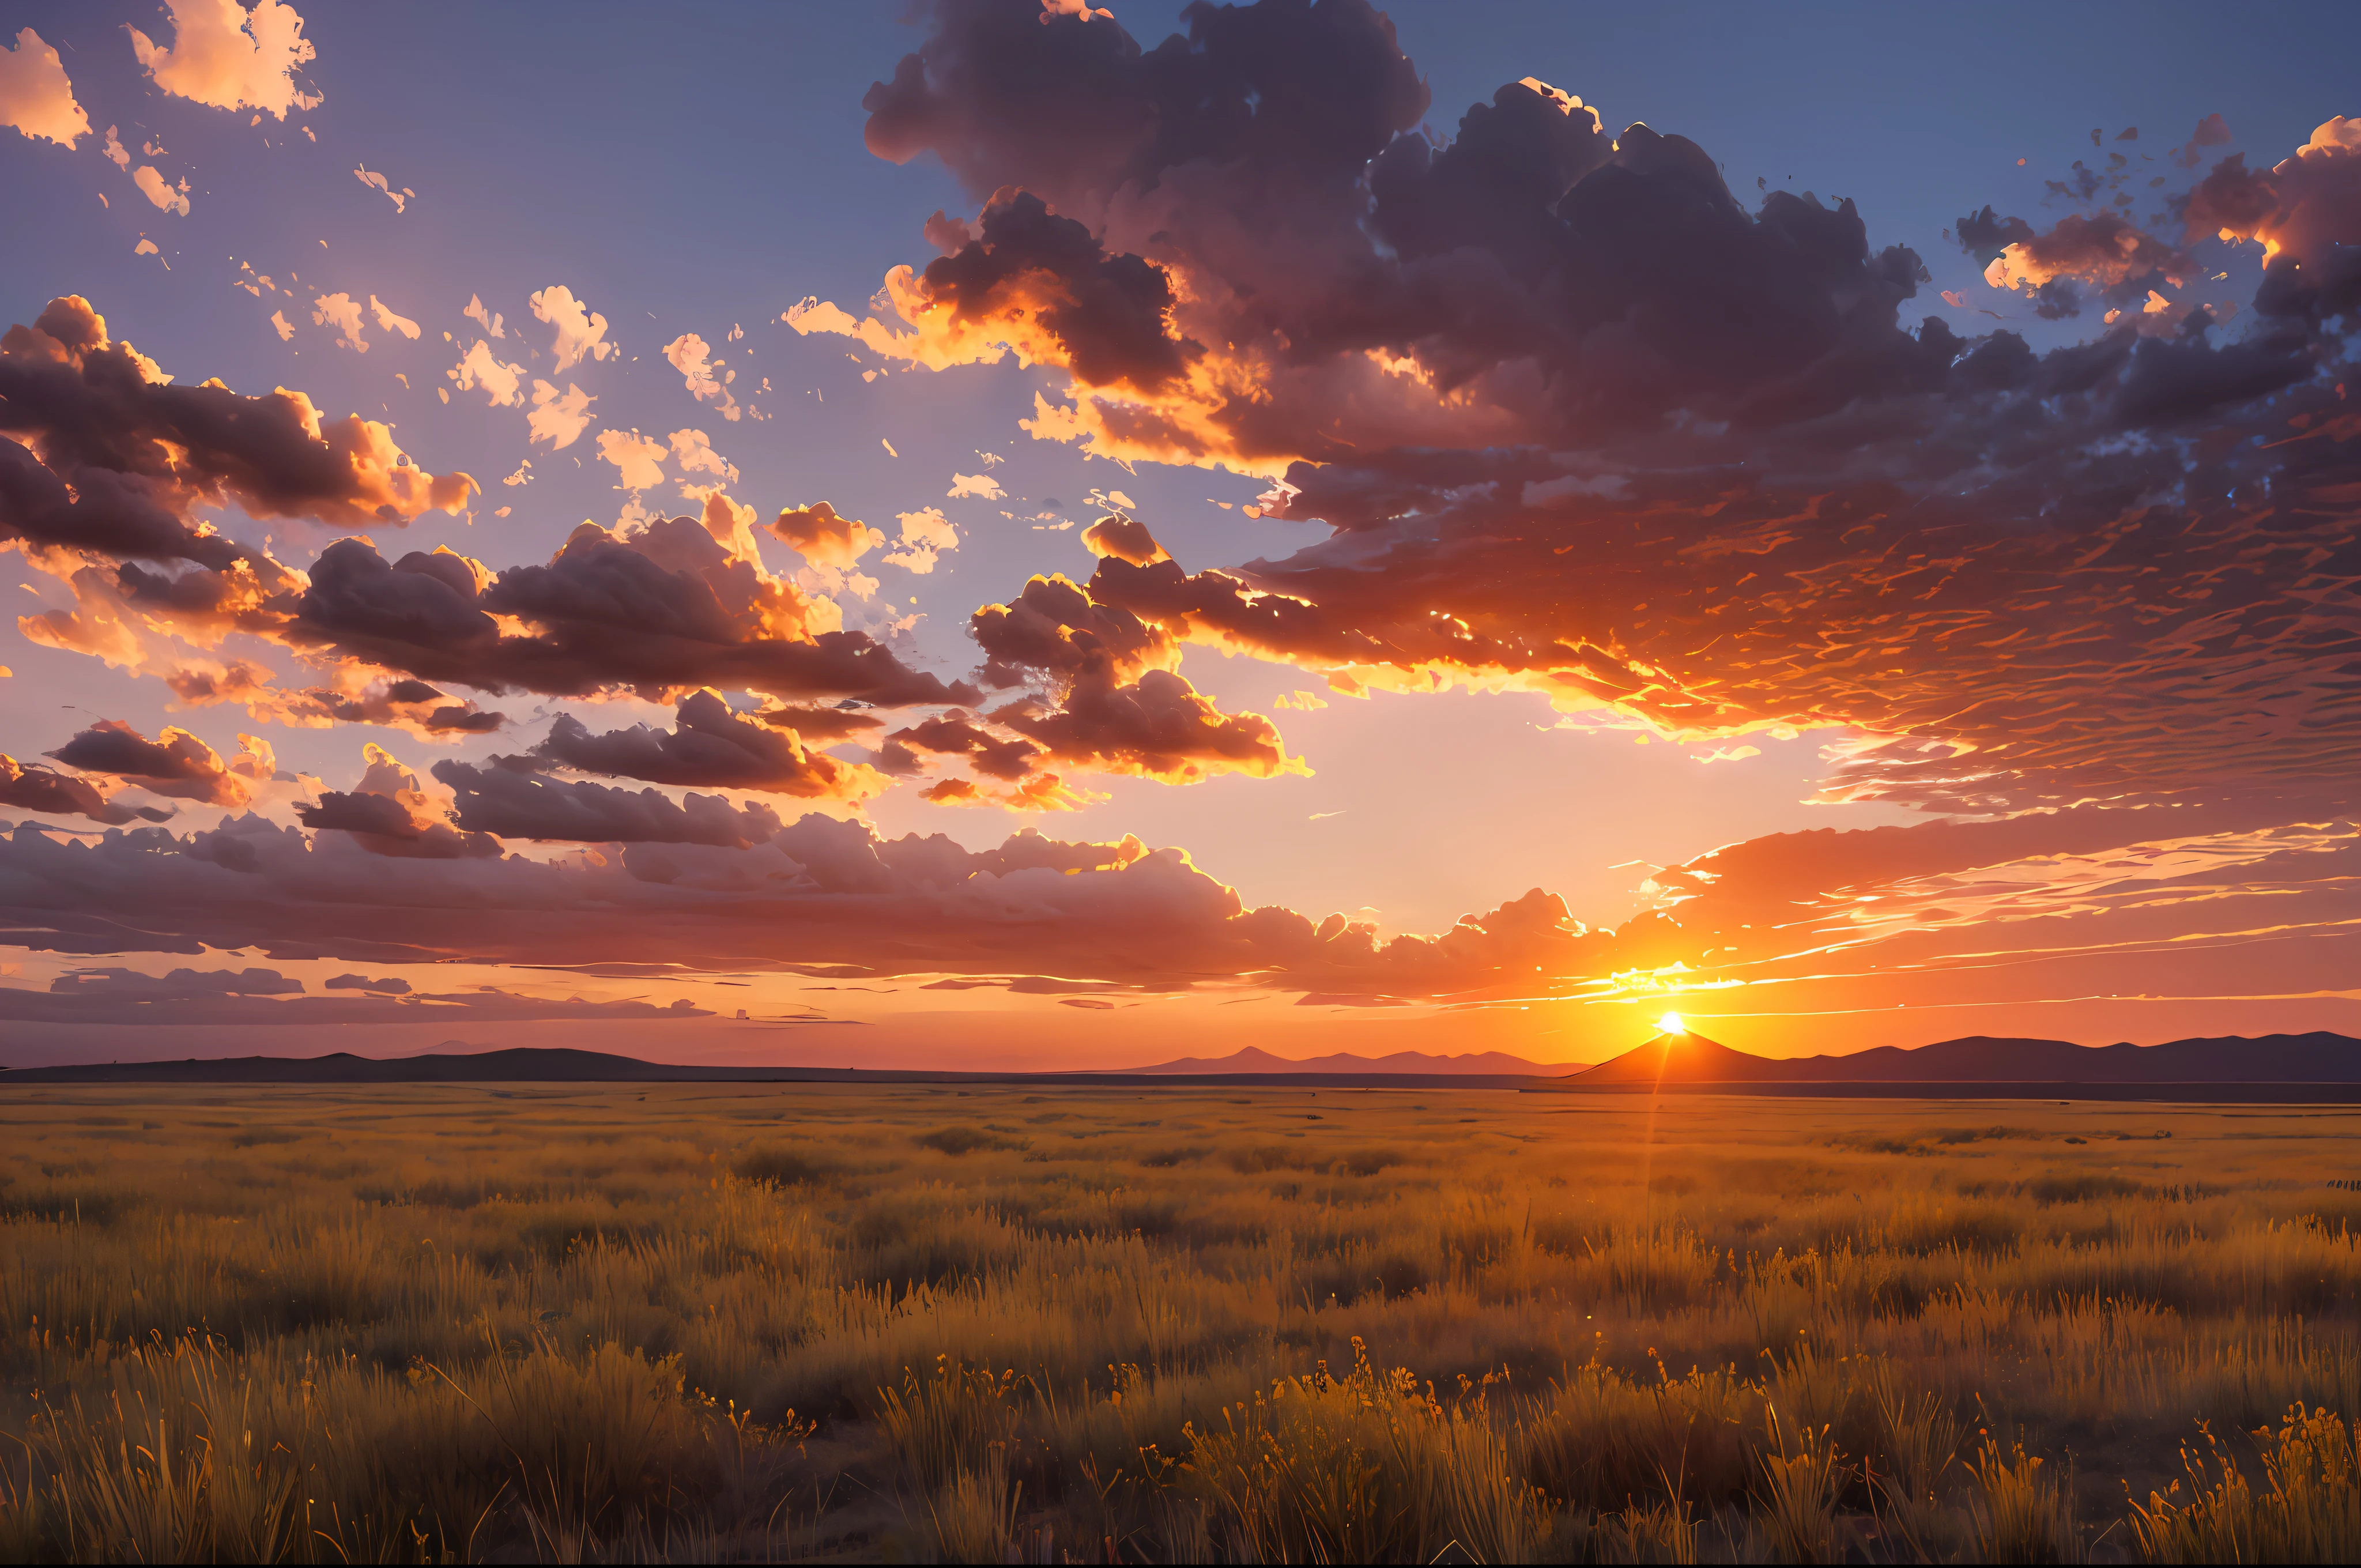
(1682, 1059)
(453, 1061)
(1253, 1059)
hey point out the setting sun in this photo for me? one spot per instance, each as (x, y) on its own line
(1671, 1024)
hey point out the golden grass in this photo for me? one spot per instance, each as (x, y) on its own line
(785, 1322)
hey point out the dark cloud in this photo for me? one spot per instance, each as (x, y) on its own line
(819, 891)
(1986, 234)
(710, 746)
(176, 764)
(1054, 628)
(35, 788)
(392, 985)
(1076, 111)
(139, 451)
(128, 997)
(178, 985)
(512, 804)
(954, 734)
(657, 611)
(834, 722)
(1580, 421)
(1159, 726)
(1105, 313)
(389, 816)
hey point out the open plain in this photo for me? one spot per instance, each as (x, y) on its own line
(1000, 1323)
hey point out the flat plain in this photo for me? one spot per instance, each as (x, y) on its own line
(936, 1323)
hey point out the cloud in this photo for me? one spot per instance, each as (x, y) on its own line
(639, 459)
(2307, 207)
(581, 334)
(659, 609)
(925, 534)
(226, 56)
(521, 806)
(31, 787)
(176, 764)
(341, 312)
(35, 95)
(124, 455)
(706, 381)
(1578, 421)
(693, 449)
(152, 185)
(378, 183)
(824, 538)
(180, 985)
(1158, 727)
(490, 321)
(955, 734)
(711, 747)
(388, 815)
(1126, 540)
(355, 697)
(825, 891)
(392, 985)
(978, 487)
(183, 997)
(480, 370)
(558, 418)
(286, 328)
(388, 320)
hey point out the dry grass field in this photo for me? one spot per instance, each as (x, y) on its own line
(932, 1323)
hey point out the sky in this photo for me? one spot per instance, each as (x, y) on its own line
(1005, 535)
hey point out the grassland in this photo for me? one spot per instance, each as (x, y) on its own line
(775, 1322)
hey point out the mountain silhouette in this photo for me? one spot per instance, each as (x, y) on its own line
(1688, 1059)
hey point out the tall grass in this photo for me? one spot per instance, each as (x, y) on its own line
(819, 1321)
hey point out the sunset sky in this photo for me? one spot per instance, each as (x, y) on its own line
(983, 536)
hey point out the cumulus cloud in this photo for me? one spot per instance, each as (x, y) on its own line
(824, 538)
(926, 534)
(822, 890)
(659, 609)
(693, 450)
(124, 455)
(31, 787)
(176, 764)
(558, 418)
(581, 334)
(1124, 539)
(479, 369)
(35, 95)
(342, 312)
(522, 805)
(638, 459)
(707, 381)
(1512, 369)
(226, 56)
(708, 746)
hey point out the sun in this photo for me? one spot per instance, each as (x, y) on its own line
(1670, 1023)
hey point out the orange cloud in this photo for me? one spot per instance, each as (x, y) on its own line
(226, 56)
(35, 95)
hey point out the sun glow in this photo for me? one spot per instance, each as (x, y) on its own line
(1670, 1023)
